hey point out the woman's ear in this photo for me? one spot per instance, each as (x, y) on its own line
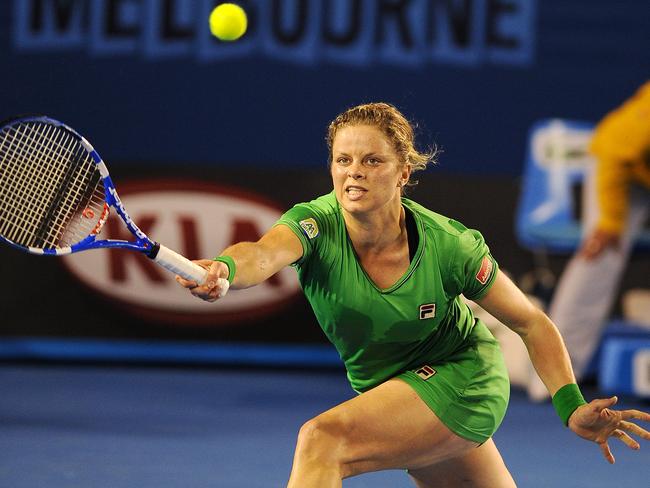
(406, 175)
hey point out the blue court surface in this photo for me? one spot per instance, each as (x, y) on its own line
(102, 426)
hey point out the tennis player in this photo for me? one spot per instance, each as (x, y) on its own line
(384, 277)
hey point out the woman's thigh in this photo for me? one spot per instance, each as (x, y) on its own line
(388, 427)
(482, 467)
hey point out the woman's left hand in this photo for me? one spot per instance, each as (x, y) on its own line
(596, 422)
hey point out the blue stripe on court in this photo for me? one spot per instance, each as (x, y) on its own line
(314, 355)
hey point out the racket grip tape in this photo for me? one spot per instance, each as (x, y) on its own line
(180, 265)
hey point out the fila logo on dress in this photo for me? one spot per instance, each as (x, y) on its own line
(427, 311)
(425, 372)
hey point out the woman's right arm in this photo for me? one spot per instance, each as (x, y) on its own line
(254, 262)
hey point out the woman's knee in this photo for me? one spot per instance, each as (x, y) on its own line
(323, 438)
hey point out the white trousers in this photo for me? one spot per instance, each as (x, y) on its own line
(586, 290)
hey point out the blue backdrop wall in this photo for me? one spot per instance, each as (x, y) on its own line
(146, 82)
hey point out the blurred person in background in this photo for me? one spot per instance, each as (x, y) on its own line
(616, 206)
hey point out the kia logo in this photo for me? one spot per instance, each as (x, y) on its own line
(198, 220)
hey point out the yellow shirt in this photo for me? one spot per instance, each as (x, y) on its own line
(621, 144)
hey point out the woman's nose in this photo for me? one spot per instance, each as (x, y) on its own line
(355, 171)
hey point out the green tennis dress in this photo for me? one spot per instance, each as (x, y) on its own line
(419, 329)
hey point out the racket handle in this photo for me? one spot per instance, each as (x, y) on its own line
(180, 265)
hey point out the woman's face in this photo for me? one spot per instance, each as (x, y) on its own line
(366, 170)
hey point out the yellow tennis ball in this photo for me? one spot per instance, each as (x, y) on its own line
(228, 22)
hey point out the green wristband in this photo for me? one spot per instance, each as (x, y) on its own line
(230, 262)
(566, 400)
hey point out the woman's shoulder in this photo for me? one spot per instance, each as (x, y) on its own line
(313, 218)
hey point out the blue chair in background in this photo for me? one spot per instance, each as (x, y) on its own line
(557, 159)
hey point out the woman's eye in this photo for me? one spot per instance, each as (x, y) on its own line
(342, 160)
(373, 161)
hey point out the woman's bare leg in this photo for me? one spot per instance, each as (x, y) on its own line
(387, 427)
(482, 467)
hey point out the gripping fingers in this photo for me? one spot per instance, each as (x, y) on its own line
(212, 290)
(186, 283)
(204, 293)
(214, 287)
(219, 288)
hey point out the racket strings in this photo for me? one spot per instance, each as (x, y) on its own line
(19, 203)
(51, 190)
(44, 175)
(78, 182)
(32, 181)
(87, 204)
(78, 179)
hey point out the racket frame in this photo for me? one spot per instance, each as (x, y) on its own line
(142, 243)
(162, 255)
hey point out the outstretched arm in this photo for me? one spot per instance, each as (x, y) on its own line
(254, 262)
(594, 421)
